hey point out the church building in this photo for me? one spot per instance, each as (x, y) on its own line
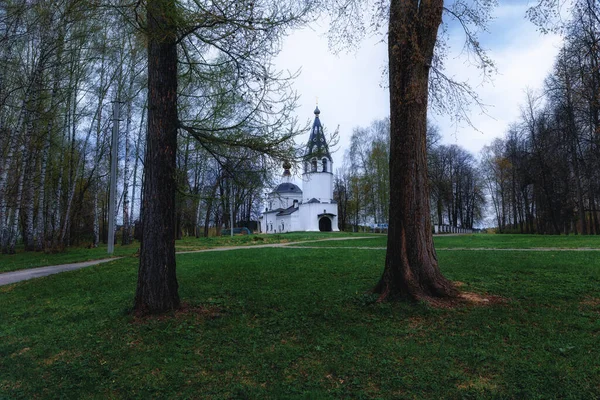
(290, 209)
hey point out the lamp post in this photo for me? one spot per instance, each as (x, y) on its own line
(231, 207)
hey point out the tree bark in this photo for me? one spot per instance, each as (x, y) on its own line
(411, 266)
(157, 281)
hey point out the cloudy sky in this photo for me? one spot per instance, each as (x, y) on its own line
(350, 86)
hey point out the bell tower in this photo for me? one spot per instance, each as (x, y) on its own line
(317, 177)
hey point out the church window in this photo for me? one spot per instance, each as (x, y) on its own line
(314, 165)
(324, 165)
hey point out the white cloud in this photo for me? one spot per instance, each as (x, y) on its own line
(523, 58)
(349, 85)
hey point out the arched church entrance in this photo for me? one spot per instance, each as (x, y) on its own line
(325, 224)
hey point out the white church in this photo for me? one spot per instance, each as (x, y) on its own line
(290, 209)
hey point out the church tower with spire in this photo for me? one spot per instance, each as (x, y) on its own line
(317, 176)
(312, 208)
(319, 211)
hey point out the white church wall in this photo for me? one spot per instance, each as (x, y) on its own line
(284, 224)
(318, 186)
(270, 222)
(332, 209)
(310, 215)
(303, 217)
(295, 224)
(282, 200)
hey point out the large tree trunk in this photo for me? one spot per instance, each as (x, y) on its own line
(157, 281)
(411, 266)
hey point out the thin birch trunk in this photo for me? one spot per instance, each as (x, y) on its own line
(33, 123)
(126, 239)
(103, 88)
(14, 224)
(40, 221)
(30, 100)
(135, 166)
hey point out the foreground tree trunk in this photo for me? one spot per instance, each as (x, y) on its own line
(411, 266)
(157, 281)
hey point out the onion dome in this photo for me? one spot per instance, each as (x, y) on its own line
(286, 168)
(287, 187)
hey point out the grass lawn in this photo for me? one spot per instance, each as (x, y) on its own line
(517, 241)
(23, 260)
(282, 323)
(373, 240)
(480, 241)
(191, 243)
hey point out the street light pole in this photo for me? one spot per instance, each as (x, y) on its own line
(231, 207)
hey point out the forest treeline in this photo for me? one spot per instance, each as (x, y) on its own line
(544, 175)
(362, 185)
(64, 66)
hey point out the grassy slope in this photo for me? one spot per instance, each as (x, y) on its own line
(287, 323)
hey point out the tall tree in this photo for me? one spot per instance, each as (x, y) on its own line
(411, 266)
(157, 287)
(232, 99)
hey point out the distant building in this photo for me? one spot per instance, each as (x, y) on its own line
(290, 209)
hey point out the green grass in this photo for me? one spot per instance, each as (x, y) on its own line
(374, 240)
(191, 243)
(296, 323)
(517, 241)
(24, 260)
(480, 241)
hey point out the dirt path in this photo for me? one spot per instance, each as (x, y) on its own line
(262, 246)
(7, 278)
